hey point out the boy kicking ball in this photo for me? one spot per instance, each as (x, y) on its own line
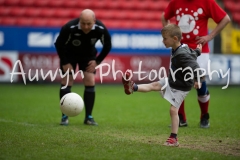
(184, 73)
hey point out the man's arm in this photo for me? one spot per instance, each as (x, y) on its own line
(204, 39)
(107, 45)
(164, 21)
(60, 43)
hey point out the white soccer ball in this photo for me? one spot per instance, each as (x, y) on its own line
(71, 104)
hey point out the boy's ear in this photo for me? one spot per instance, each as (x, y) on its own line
(175, 38)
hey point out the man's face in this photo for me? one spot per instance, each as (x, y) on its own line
(86, 24)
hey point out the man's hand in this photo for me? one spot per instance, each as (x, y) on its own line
(199, 46)
(203, 40)
(67, 67)
(91, 66)
(197, 85)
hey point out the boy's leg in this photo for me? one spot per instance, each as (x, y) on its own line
(154, 86)
(172, 140)
(130, 86)
(174, 119)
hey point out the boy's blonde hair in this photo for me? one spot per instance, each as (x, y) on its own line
(172, 30)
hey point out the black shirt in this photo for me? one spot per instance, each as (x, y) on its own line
(73, 44)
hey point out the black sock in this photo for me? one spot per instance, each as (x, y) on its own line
(89, 98)
(173, 135)
(135, 87)
(64, 91)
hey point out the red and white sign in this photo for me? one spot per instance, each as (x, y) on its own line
(144, 68)
(36, 66)
(7, 61)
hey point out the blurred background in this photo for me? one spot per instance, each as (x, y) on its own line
(28, 29)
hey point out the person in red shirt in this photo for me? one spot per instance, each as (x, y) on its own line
(192, 17)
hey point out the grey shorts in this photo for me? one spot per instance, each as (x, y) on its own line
(174, 96)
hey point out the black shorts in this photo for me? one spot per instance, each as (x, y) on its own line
(82, 65)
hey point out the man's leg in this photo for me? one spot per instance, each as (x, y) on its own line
(203, 100)
(182, 116)
(63, 91)
(203, 93)
(89, 97)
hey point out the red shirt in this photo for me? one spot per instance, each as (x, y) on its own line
(192, 17)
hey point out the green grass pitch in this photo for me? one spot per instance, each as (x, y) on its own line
(131, 127)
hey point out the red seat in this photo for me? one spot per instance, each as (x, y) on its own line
(98, 4)
(17, 11)
(111, 24)
(56, 3)
(113, 4)
(64, 13)
(143, 14)
(47, 12)
(42, 3)
(84, 4)
(155, 25)
(32, 12)
(1, 2)
(158, 5)
(74, 13)
(147, 25)
(106, 14)
(143, 5)
(228, 5)
(43, 22)
(118, 15)
(26, 3)
(151, 15)
(12, 2)
(4, 11)
(70, 4)
(130, 5)
(137, 15)
(56, 22)
(24, 21)
(8, 21)
(236, 17)
(134, 24)
(232, 6)
(140, 25)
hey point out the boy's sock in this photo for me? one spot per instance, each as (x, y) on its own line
(135, 87)
(173, 135)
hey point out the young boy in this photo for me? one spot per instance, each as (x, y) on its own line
(182, 77)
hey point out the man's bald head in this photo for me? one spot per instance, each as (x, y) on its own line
(87, 20)
(87, 14)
